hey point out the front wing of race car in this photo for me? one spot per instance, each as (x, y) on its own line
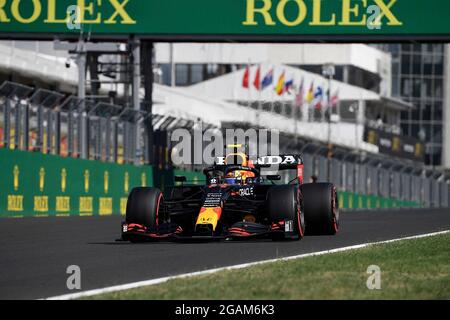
(239, 231)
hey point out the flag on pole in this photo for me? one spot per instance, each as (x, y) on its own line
(280, 84)
(257, 81)
(245, 80)
(318, 98)
(310, 94)
(267, 80)
(334, 99)
(288, 85)
(300, 94)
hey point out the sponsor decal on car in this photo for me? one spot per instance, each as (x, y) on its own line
(288, 226)
(269, 160)
(248, 191)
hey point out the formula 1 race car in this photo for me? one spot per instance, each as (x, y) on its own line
(237, 202)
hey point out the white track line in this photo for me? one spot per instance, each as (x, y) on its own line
(152, 282)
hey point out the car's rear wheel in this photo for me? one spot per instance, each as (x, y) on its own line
(143, 207)
(285, 204)
(321, 207)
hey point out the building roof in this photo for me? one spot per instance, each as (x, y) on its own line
(359, 55)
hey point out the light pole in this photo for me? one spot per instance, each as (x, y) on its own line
(355, 109)
(328, 70)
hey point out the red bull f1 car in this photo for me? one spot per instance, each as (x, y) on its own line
(236, 202)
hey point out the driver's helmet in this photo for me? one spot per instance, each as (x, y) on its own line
(232, 177)
(238, 176)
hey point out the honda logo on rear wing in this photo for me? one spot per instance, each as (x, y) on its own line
(284, 161)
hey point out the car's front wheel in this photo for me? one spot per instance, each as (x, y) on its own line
(143, 207)
(285, 205)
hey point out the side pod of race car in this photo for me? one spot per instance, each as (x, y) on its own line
(235, 203)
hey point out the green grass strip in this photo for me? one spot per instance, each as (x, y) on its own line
(410, 269)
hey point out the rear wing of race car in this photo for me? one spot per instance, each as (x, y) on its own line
(283, 162)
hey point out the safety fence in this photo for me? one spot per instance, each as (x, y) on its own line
(375, 182)
(50, 122)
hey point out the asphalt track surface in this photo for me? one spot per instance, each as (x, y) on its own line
(35, 252)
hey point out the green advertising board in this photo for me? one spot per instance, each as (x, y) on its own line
(230, 19)
(33, 184)
(350, 200)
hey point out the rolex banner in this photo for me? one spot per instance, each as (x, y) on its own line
(34, 184)
(230, 18)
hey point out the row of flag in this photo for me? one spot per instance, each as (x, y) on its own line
(314, 96)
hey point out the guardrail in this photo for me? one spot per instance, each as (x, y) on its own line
(50, 122)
